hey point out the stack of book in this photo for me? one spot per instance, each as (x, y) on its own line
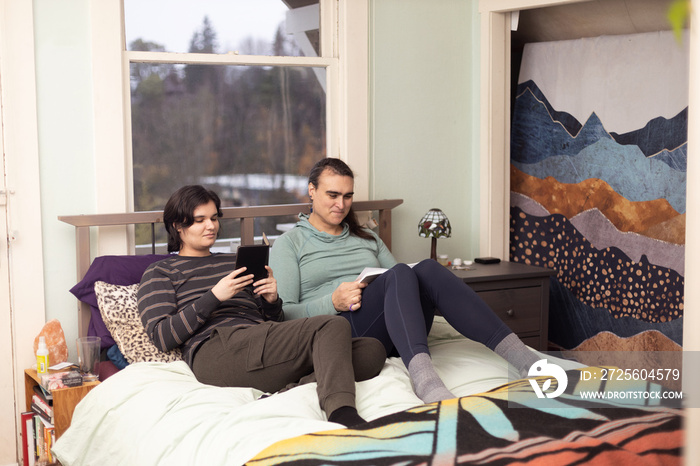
(38, 428)
(38, 425)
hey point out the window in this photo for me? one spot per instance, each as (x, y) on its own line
(241, 110)
(343, 56)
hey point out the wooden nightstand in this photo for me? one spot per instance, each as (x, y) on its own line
(517, 293)
(64, 399)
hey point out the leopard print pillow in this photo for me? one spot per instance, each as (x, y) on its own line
(117, 305)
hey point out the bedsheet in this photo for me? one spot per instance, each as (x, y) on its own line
(158, 413)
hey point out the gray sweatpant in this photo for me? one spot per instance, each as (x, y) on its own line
(272, 355)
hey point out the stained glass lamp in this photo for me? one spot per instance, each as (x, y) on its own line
(434, 225)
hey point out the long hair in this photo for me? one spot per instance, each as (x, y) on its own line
(338, 167)
(179, 211)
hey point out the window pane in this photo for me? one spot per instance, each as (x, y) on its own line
(252, 27)
(251, 133)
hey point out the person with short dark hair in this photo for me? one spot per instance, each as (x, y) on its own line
(231, 329)
(323, 254)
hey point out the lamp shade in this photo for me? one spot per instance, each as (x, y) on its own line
(435, 224)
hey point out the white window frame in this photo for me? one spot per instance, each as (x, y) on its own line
(344, 55)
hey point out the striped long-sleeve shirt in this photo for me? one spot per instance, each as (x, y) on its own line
(178, 308)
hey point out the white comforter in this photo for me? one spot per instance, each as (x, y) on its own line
(156, 413)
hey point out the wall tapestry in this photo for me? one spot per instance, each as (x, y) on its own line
(598, 186)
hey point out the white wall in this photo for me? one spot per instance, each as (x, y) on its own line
(424, 119)
(47, 118)
(67, 158)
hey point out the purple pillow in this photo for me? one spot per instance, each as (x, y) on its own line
(117, 270)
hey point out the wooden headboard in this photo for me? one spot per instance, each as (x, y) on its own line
(246, 216)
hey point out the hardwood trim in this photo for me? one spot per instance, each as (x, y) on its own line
(229, 212)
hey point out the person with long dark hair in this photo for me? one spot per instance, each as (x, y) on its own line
(231, 329)
(323, 254)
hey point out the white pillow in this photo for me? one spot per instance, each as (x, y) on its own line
(120, 313)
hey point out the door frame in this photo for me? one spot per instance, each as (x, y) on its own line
(22, 292)
(494, 135)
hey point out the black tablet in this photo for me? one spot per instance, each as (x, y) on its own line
(254, 257)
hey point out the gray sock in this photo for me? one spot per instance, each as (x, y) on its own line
(513, 350)
(426, 383)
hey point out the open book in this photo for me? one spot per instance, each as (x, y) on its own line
(368, 274)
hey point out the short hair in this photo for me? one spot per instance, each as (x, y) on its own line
(179, 211)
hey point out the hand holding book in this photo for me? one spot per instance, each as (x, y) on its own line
(368, 274)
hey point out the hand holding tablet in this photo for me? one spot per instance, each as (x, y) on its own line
(254, 257)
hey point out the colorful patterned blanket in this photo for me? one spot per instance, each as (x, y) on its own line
(505, 426)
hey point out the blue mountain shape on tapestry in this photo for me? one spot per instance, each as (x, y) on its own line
(538, 131)
(659, 135)
(624, 168)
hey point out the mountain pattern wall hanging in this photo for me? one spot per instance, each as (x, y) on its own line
(598, 186)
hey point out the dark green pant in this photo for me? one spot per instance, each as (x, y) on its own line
(272, 355)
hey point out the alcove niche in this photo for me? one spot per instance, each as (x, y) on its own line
(570, 19)
(506, 26)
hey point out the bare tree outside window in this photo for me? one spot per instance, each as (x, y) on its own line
(249, 132)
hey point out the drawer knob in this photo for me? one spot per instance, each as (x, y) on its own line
(510, 312)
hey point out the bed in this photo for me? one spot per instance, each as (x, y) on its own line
(154, 411)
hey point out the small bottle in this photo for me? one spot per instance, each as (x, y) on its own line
(42, 357)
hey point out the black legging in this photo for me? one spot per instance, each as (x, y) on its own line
(398, 309)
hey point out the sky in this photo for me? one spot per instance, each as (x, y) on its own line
(172, 22)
